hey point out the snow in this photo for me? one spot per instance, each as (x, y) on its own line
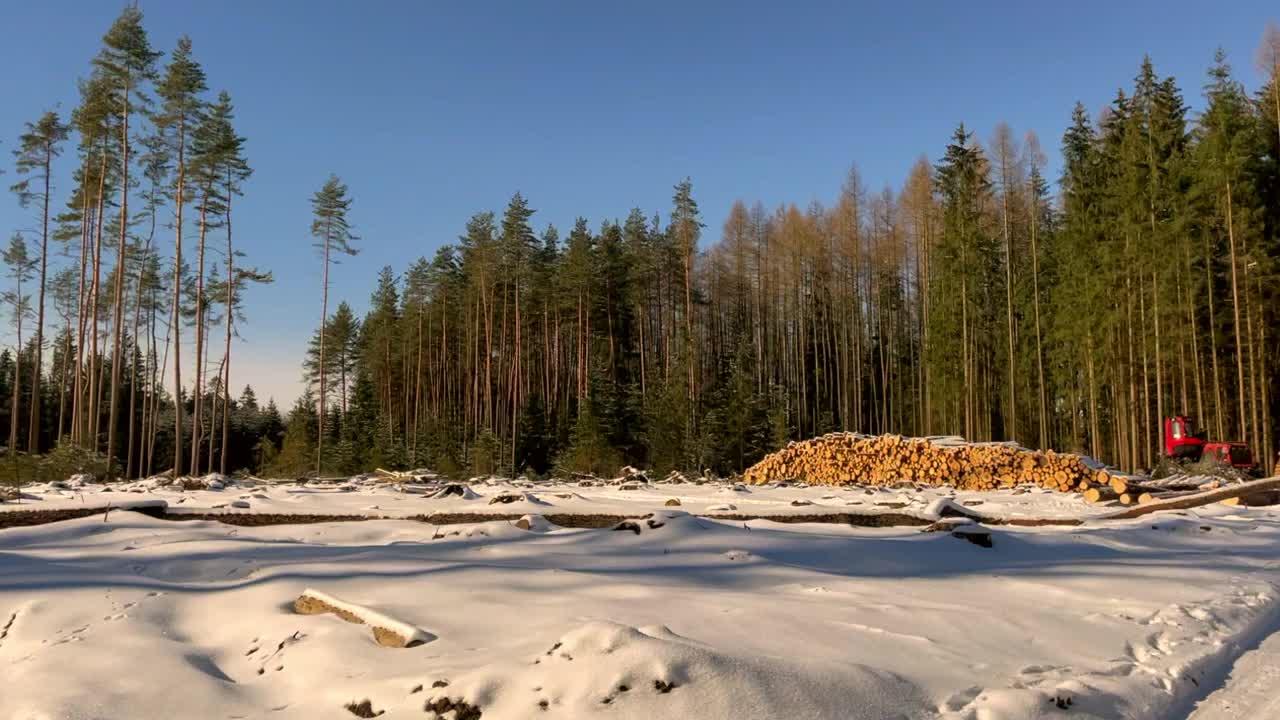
(1250, 692)
(375, 498)
(694, 616)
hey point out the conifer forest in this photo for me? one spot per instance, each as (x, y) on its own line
(986, 296)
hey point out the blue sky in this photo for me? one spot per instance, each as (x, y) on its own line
(431, 111)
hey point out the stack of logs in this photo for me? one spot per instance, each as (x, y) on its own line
(849, 459)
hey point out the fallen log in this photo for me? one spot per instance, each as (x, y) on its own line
(1151, 496)
(1196, 499)
(387, 631)
(1257, 499)
(1183, 482)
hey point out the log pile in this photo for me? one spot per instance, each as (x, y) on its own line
(851, 459)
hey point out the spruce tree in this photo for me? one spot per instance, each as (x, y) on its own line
(686, 229)
(964, 272)
(1226, 150)
(518, 247)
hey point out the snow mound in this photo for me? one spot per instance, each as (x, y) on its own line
(672, 520)
(536, 523)
(653, 672)
(946, 507)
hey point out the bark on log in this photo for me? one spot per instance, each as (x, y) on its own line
(1190, 500)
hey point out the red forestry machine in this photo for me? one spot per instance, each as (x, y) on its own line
(1184, 445)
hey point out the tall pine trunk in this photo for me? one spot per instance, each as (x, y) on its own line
(33, 437)
(197, 381)
(118, 303)
(175, 324)
(226, 352)
(324, 317)
(1235, 308)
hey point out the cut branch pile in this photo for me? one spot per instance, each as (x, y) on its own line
(852, 459)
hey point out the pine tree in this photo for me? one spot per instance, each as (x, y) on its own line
(21, 266)
(37, 148)
(333, 235)
(80, 222)
(127, 63)
(180, 90)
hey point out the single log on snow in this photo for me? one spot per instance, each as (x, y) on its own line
(387, 631)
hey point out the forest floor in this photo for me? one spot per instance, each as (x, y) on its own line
(680, 615)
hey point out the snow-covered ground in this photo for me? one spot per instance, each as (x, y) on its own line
(380, 498)
(127, 616)
(1253, 690)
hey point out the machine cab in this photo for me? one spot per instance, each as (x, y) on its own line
(1181, 440)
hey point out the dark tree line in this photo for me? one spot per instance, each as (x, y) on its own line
(971, 301)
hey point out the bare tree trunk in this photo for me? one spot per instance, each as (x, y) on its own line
(197, 382)
(1093, 401)
(17, 373)
(1235, 308)
(1035, 285)
(175, 324)
(1213, 342)
(226, 352)
(121, 260)
(1011, 431)
(1155, 312)
(86, 238)
(95, 357)
(62, 385)
(133, 366)
(324, 317)
(155, 407)
(33, 437)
